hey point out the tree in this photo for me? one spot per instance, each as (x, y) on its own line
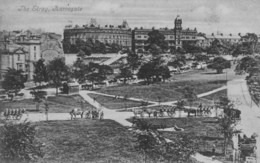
(190, 94)
(98, 73)
(80, 71)
(125, 73)
(163, 71)
(57, 72)
(181, 147)
(146, 71)
(201, 58)
(18, 142)
(219, 63)
(192, 48)
(156, 42)
(148, 140)
(13, 80)
(215, 48)
(246, 65)
(179, 61)
(227, 121)
(252, 40)
(40, 72)
(134, 61)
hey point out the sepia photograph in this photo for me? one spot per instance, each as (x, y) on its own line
(129, 81)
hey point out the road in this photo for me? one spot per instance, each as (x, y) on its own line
(250, 112)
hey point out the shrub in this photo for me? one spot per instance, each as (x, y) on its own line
(18, 143)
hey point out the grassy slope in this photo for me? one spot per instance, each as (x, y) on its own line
(86, 141)
(167, 91)
(57, 104)
(204, 131)
(112, 103)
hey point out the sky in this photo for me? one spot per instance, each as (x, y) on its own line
(208, 16)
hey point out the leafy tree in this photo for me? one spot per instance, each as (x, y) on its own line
(227, 122)
(156, 42)
(192, 48)
(125, 73)
(252, 40)
(215, 48)
(219, 63)
(13, 80)
(179, 61)
(146, 71)
(180, 149)
(134, 61)
(148, 141)
(190, 94)
(80, 71)
(201, 58)
(18, 142)
(57, 72)
(163, 71)
(98, 73)
(115, 48)
(40, 72)
(246, 65)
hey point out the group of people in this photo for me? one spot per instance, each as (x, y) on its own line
(14, 113)
(95, 114)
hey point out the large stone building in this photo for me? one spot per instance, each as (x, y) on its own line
(174, 37)
(109, 34)
(20, 50)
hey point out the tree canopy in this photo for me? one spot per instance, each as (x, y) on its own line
(13, 80)
(219, 63)
(57, 72)
(156, 42)
(40, 72)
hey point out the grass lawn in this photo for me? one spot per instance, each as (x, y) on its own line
(86, 141)
(112, 103)
(57, 104)
(207, 74)
(204, 129)
(167, 91)
(215, 96)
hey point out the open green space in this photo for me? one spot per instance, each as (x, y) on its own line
(163, 91)
(86, 141)
(57, 104)
(113, 103)
(207, 74)
(204, 129)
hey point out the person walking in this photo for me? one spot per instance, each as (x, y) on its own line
(46, 106)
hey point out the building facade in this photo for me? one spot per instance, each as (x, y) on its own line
(20, 50)
(109, 34)
(175, 37)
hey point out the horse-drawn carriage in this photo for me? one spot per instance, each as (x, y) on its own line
(13, 114)
(157, 112)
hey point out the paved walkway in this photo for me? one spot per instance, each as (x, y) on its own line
(250, 112)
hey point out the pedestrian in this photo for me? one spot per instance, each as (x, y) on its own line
(46, 106)
(101, 115)
(94, 99)
(213, 149)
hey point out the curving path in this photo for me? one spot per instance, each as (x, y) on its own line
(250, 112)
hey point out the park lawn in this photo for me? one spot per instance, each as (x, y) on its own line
(86, 141)
(204, 129)
(112, 103)
(207, 74)
(170, 91)
(57, 104)
(215, 96)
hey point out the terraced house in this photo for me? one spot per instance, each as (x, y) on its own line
(108, 34)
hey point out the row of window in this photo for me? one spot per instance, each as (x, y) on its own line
(101, 36)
